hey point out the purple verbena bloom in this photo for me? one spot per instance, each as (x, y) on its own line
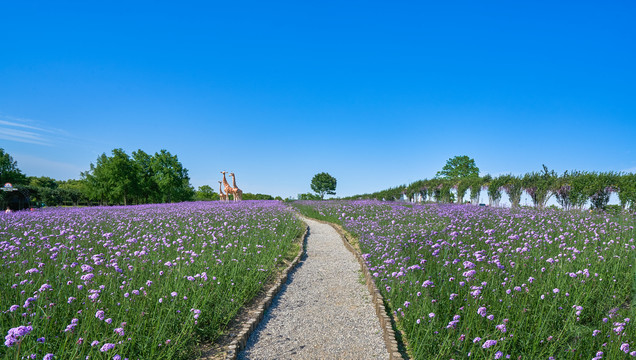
(14, 333)
(625, 348)
(106, 347)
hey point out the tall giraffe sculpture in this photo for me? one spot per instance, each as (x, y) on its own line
(238, 193)
(222, 196)
(228, 189)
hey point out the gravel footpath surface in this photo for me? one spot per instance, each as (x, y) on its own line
(324, 311)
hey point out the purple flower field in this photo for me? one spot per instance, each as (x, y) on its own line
(492, 283)
(145, 281)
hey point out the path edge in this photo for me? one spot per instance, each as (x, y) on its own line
(388, 333)
(246, 328)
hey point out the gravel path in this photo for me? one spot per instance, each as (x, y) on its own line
(323, 312)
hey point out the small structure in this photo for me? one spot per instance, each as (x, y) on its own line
(14, 198)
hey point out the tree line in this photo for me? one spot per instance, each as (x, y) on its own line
(572, 189)
(115, 179)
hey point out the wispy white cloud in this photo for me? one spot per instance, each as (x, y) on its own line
(22, 136)
(28, 131)
(630, 170)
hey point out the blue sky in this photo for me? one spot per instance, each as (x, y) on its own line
(378, 94)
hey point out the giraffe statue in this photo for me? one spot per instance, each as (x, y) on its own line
(228, 189)
(238, 193)
(222, 196)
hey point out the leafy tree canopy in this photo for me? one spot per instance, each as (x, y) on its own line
(205, 192)
(323, 184)
(9, 171)
(142, 178)
(459, 167)
(43, 181)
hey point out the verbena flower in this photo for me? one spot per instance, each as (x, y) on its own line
(106, 347)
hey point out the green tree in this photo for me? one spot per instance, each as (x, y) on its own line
(124, 176)
(458, 167)
(74, 191)
(112, 179)
(171, 177)
(43, 181)
(250, 196)
(148, 189)
(539, 186)
(99, 180)
(513, 187)
(9, 171)
(308, 196)
(44, 189)
(462, 187)
(495, 186)
(475, 189)
(577, 182)
(323, 184)
(599, 188)
(205, 192)
(627, 190)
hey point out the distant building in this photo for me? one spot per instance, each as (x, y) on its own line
(14, 198)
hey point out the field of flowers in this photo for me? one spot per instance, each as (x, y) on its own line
(146, 282)
(475, 282)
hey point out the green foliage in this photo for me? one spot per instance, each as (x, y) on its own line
(250, 196)
(475, 189)
(171, 177)
(627, 190)
(73, 191)
(513, 187)
(309, 196)
(494, 189)
(442, 191)
(576, 180)
(417, 187)
(599, 187)
(9, 171)
(119, 179)
(572, 190)
(43, 182)
(539, 186)
(206, 193)
(148, 187)
(462, 187)
(458, 167)
(323, 184)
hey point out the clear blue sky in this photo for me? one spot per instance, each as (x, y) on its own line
(376, 93)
